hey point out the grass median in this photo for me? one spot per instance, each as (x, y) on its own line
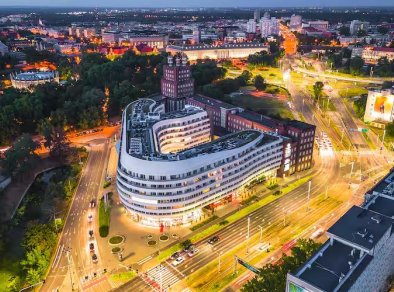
(236, 216)
(104, 219)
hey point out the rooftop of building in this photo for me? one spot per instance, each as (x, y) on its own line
(34, 76)
(361, 227)
(382, 205)
(258, 118)
(300, 125)
(330, 268)
(215, 47)
(213, 102)
(385, 186)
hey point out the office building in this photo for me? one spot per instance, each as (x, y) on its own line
(359, 253)
(228, 118)
(256, 15)
(169, 168)
(226, 51)
(321, 25)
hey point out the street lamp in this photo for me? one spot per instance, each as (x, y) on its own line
(261, 233)
(247, 236)
(309, 192)
(220, 253)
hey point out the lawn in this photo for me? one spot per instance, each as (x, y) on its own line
(264, 105)
(348, 92)
(123, 277)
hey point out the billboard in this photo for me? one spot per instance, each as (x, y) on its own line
(295, 288)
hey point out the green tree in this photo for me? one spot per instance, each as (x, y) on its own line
(362, 33)
(21, 156)
(272, 278)
(356, 66)
(259, 83)
(245, 77)
(318, 90)
(344, 30)
(382, 29)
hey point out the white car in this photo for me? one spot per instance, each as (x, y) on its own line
(177, 261)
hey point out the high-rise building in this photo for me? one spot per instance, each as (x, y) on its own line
(269, 26)
(295, 22)
(196, 35)
(177, 83)
(357, 25)
(256, 15)
(251, 26)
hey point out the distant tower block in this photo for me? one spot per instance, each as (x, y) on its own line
(177, 83)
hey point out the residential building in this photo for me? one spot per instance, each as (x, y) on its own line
(357, 25)
(359, 253)
(251, 26)
(295, 22)
(3, 49)
(371, 55)
(269, 26)
(256, 15)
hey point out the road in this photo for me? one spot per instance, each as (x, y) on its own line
(72, 261)
(234, 234)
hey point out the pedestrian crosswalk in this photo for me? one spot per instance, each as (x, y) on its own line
(160, 277)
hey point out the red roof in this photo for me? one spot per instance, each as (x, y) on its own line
(383, 49)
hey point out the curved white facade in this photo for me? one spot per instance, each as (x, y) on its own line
(172, 188)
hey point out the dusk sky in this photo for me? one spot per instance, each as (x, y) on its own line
(198, 3)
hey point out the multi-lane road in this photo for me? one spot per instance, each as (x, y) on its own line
(234, 234)
(72, 267)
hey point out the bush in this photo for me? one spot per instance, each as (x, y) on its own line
(201, 224)
(224, 222)
(106, 184)
(104, 219)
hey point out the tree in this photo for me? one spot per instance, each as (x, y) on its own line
(356, 65)
(344, 30)
(383, 29)
(245, 77)
(272, 278)
(362, 33)
(318, 90)
(207, 71)
(21, 156)
(259, 83)
(359, 106)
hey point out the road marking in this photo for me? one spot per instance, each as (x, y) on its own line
(170, 265)
(144, 260)
(57, 255)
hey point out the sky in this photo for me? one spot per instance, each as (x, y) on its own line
(197, 3)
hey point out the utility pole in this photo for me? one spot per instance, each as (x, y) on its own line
(384, 135)
(343, 132)
(326, 192)
(284, 217)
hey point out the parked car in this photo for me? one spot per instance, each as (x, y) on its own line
(177, 261)
(90, 218)
(94, 258)
(91, 233)
(192, 252)
(175, 255)
(91, 247)
(213, 240)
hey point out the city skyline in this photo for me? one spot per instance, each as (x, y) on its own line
(203, 3)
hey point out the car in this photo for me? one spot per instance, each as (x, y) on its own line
(91, 233)
(188, 248)
(192, 252)
(92, 203)
(90, 218)
(175, 255)
(178, 261)
(213, 240)
(91, 247)
(94, 258)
